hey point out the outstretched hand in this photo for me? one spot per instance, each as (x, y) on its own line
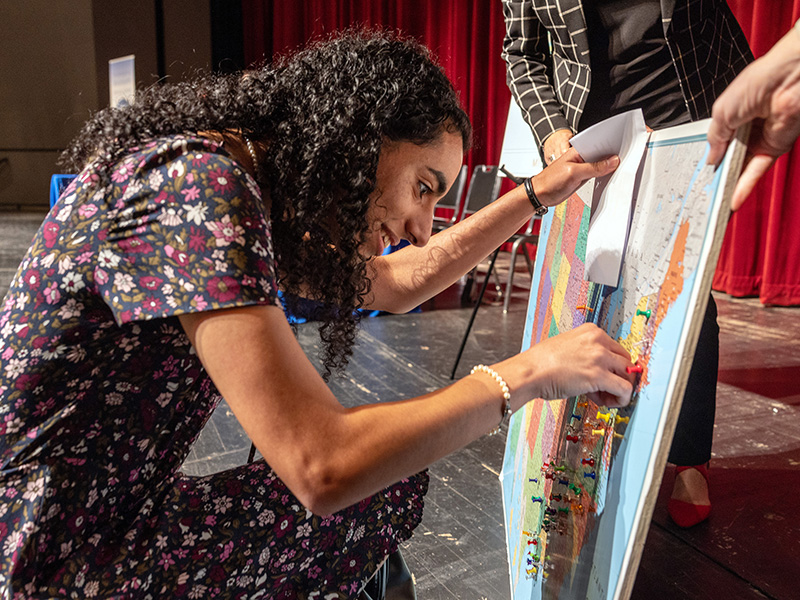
(584, 360)
(560, 179)
(767, 93)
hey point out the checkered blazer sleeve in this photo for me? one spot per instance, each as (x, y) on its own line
(708, 49)
(526, 51)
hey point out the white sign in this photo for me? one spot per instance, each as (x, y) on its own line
(519, 154)
(121, 81)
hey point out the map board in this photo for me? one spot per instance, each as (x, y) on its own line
(579, 481)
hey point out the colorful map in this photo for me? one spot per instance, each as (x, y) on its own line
(579, 480)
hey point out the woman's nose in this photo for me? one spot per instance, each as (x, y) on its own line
(419, 227)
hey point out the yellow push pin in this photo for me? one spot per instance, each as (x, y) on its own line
(618, 419)
(604, 416)
(598, 431)
(619, 436)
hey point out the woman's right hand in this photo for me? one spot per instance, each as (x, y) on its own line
(556, 144)
(558, 181)
(584, 360)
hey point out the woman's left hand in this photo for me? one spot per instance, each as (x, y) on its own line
(560, 179)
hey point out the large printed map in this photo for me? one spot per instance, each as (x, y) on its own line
(578, 479)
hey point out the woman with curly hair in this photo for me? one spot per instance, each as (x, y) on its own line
(151, 291)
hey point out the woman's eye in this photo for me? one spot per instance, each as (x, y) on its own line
(424, 189)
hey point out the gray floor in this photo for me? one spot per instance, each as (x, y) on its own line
(750, 548)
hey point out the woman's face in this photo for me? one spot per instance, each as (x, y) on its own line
(410, 181)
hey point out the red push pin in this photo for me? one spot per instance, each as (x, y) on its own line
(637, 368)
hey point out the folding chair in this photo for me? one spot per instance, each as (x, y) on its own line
(483, 189)
(524, 237)
(452, 201)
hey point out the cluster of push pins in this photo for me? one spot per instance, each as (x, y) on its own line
(569, 498)
(536, 562)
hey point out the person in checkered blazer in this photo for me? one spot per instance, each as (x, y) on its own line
(694, 46)
(572, 64)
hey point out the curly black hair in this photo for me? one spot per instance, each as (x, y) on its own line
(323, 115)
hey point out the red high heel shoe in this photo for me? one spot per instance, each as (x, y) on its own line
(686, 514)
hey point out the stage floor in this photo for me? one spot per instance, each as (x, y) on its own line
(748, 549)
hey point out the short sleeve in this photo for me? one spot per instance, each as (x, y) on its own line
(187, 233)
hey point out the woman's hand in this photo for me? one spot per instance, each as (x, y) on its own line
(556, 144)
(557, 182)
(584, 360)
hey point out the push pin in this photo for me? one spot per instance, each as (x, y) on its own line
(587, 461)
(604, 416)
(563, 481)
(564, 509)
(618, 420)
(549, 475)
(533, 480)
(537, 499)
(573, 438)
(533, 543)
(584, 307)
(560, 469)
(582, 403)
(592, 475)
(619, 436)
(637, 368)
(576, 488)
(574, 416)
(556, 497)
(598, 431)
(645, 313)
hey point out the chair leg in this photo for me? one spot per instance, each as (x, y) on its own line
(498, 287)
(474, 312)
(510, 283)
(528, 260)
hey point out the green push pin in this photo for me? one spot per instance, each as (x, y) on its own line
(646, 313)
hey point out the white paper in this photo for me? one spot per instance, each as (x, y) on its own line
(612, 199)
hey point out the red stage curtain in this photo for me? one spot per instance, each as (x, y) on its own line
(465, 35)
(761, 252)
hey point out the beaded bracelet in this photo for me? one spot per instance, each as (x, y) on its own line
(506, 394)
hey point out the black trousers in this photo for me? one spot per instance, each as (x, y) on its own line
(694, 432)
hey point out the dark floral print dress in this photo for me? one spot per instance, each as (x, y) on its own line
(102, 396)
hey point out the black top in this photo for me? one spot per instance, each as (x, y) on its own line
(631, 64)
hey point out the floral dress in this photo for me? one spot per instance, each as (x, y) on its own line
(102, 396)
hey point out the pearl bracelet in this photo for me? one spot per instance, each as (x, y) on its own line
(506, 394)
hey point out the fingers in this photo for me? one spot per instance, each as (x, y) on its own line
(557, 182)
(556, 145)
(720, 132)
(605, 166)
(613, 383)
(753, 171)
(719, 136)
